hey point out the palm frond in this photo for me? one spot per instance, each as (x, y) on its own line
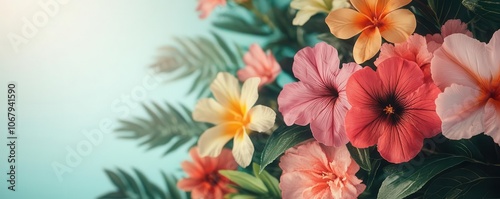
(164, 125)
(140, 187)
(198, 56)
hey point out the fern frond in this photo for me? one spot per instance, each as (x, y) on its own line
(163, 125)
(140, 187)
(198, 56)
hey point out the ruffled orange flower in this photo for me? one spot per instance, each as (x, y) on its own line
(374, 19)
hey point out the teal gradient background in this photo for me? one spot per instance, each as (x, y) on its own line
(74, 73)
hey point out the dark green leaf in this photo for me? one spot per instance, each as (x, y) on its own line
(448, 9)
(488, 9)
(415, 175)
(361, 156)
(467, 182)
(282, 139)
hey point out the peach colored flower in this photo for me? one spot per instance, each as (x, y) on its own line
(312, 170)
(374, 19)
(234, 116)
(450, 27)
(468, 71)
(308, 8)
(258, 64)
(414, 49)
(319, 98)
(205, 7)
(393, 108)
(204, 181)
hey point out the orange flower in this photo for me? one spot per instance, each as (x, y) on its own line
(374, 19)
(204, 180)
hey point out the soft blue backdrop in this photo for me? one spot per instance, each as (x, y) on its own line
(74, 72)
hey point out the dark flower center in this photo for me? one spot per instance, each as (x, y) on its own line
(391, 108)
(212, 178)
(333, 91)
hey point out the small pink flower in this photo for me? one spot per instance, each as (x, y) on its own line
(258, 64)
(207, 6)
(319, 98)
(313, 170)
(392, 108)
(450, 27)
(204, 181)
(414, 49)
(468, 73)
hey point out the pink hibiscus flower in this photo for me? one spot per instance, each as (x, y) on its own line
(204, 180)
(207, 6)
(258, 64)
(319, 97)
(449, 27)
(392, 108)
(313, 170)
(470, 79)
(414, 49)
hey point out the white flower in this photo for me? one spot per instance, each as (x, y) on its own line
(234, 116)
(308, 8)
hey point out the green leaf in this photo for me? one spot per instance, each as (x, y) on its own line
(282, 139)
(241, 196)
(199, 57)
(416, 175)
(115, 179)
(270, 181)
(361, 156)
(448, 9)
(142, 187)
(467, 182)
(245, 181)
(488, 9)
(164, 125)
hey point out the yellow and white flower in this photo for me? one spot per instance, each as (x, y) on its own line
(234, 115)
(308, 8)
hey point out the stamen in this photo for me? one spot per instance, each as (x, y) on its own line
(389, 109)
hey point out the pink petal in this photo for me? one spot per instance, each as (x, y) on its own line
(316, 66)
(300, 103)
(328, 127)
(308, 155)
(454, 26)
(400, 143)
(492, 119)
(460, 111)
(344, 74)
(494, 47)
(468, 66)
(289, 186)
